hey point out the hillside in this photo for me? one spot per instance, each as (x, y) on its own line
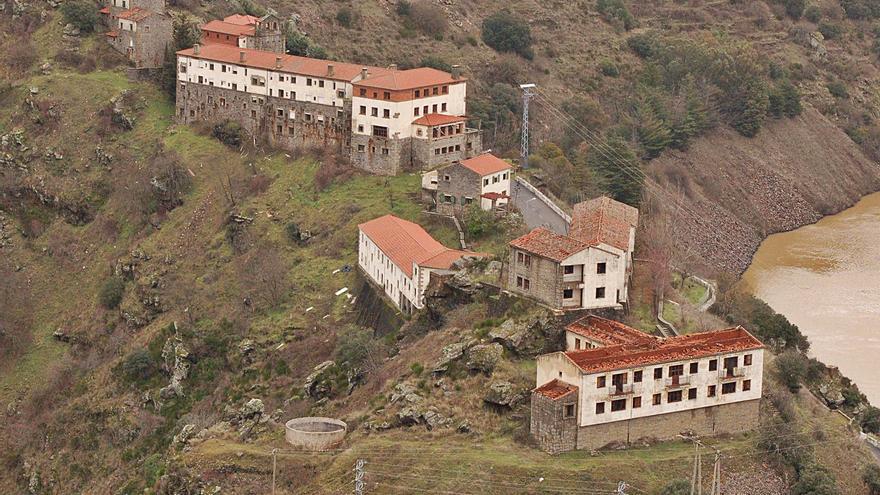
(133, 249)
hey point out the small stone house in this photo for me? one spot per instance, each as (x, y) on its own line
(246, 31)
(645, 387)
(589, 268)
(140, 30)
(483, 179)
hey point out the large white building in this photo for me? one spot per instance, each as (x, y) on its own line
(589, 268)
(624, 386)
(400, 256)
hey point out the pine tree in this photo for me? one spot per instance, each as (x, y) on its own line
(618, 168)
(654, 135)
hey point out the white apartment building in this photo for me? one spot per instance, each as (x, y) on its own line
(400, 256)
(706, 383)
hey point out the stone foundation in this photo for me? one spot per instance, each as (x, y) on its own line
(553, 432)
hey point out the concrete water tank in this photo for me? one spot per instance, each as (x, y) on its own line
(315, 433)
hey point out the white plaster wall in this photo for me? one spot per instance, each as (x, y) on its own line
(401, 114)
(502, 186)
(386, 273)
(613, 279)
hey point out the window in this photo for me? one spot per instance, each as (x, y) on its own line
(676, 370)
(526, 284)
(524, 259)
(321, 83)
(569, 411)
(601, 268)
(658, 373)
(385, 151)
(211, 66)
(416, 111)
(731, 362)
(747, 360)
(673, 396)
(360, 127)
(713, 364)
(567, 293)
(374, 112)
(280, 112)
(308, 81)
(443, 107)
(711, 391)
(485, 182)
(747, 385)
(568, 269)
(618, 405)
(637, 402)
(363, 110)
(692, 394)
(386, 95)
(380, 131)
(361, 148)
(522, 283)
(435, 90)
(600, 382)
(600, 408)
(600, 292)
(577, 343)
(446, 178)
(656, 399)
(637, 376)
(694, 368)
(418, 93)
(728, 388)
(386, 113)
(340, 93)
(363, 92)
(434, 108)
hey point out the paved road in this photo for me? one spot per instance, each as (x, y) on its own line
(535, 212)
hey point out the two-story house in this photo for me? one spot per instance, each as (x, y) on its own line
(139, 29)
(400, 256)
(483, 180)
(705, 383)
(246, 31)
(589, 268)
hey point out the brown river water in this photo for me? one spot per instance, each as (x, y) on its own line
(825, 278)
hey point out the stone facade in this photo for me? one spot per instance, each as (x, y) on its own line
(381, 155)
(544, 276)
(463, 187)
(549, 426)
(429, 153)
(287, 124)
(146, 47)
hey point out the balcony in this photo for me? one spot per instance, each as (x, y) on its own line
(621, 389)
(677, 381)
(731, 373)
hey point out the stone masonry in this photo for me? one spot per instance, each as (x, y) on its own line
(544, 275)
(463, 183)
(549, 427)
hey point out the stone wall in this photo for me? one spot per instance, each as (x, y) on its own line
(549, 427)
(545, 279)
(734, 417)
(424, 156)
(463, 182)
(145, 48)
(381, 156)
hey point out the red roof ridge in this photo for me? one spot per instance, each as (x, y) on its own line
(548, 244)
(556, 389)
(607, 331)
(485, 164)
(431, 119)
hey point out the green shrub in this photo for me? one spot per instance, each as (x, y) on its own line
(837, 89)
(792, 369)
(229, 133)
(871, 477)
(479, 223)
(436, 62)
(617, 166)
(813, 13)
(794, 8)
(111, 292)
(784, 100)
(644, 45)
(425, 17)
(417, 369)
(677, 487)
(83, 15)
(609, 68)
(505, 32)
(615, 11)
(871, 420)
(814, 480)
(345, 16)
(861, 9)
(830, 30)
(403, 8)
(139, 367)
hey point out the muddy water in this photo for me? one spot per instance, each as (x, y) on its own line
(825, 278)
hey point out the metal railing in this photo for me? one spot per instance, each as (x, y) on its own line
(737, 372)
(677, 381)
(621, 389)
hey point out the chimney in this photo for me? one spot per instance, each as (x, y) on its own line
(456, 72)
(277, 62)
(393, 66)
(241, 57)
(330, 71)
(196, 49)
(364, 73)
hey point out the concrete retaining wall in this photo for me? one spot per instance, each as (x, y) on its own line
(312, 433)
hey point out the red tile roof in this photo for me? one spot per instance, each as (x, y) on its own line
(432, 119)
(292, 64)
(680, 348)
(603, 221)
(105, 10)
(486, 164)
(410, 79)
(546, 243)
(223, 27)
(241, 20)
(556, 389)
(608, 332)
(135, 15)
(407, 243)
(494, 195)
(113, 34)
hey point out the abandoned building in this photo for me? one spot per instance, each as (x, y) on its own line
(589, 268)
(246, 31)
(400, 256)
(483, 179)
(384, 119)
(139, 29)
(645, 387)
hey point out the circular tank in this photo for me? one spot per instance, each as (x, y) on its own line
(314, 433)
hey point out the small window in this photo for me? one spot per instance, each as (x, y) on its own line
(363, 110)
(713, 365)
(600, 408)
(577, 343)
(728, 388)
(692, 394)
(747, 360)
(374, 112)
(676, 370)
(360, 127)
(618, 405)
(637, 376)
(637, 402)
(321, 83)
(600, 292)
(569, 411)
(600, 382)
(363, 92)
(656, 399)
(658, 373)
(385, 151)
(418, 94)
(308, 81)
(386, 113)
(673, 396)
(711, 391)
(386, 95)
(340, 93)
(694, 368)
(443, 107)
(416, 111)
(601, 267)
(747, 385)
(567, 293)
(447, 178)
(361, 148)
(568, 269)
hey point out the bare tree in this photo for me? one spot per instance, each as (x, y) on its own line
(658, 241)
(264, 276)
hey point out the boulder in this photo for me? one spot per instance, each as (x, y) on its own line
(252, 408)
(175, 361)
(407, 392)
(318, 384)
(452, 352)
(526, 338)
(409, 416)
(503, 394)
(484, 357)
(184, 435)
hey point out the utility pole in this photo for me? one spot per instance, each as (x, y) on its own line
(274, 458)
(528, 93)
(359, 477)
(716, 474)
(696, 480)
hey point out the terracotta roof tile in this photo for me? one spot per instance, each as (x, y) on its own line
(486, 164)
(407, 243)
(105, 10)
(112, 34)
(136, 14)
(291, 64)
(241, 20)
(556, 389)
(438, 119)
(546, 243)
(223, 27)
(410, 79)
(680, 348)
(608, 332)
(603, 221)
